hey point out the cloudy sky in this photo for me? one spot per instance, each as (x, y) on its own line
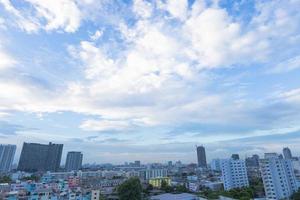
(124, 80)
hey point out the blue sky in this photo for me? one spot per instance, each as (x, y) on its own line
(149, 79)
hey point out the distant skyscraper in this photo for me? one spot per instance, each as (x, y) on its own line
(287, 153)
(215, 164)
(74, 161)
(234, 174)
(40, 157)
(7, 154)
(252, 161)
(235, 156)
(278, 177)
(201, 156)
(137, 163)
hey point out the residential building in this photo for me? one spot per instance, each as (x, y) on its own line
(252, 161)
(182, 196)
(278, 176)
(234, 174)
(156, 182)
(201, 156)
(153, 173)
(215, 164)
(40, 157)
(7, 154)
(95, 195)
(73, 161)
(137, 163)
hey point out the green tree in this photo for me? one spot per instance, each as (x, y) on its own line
(296, 195)
(181, 188)
(165, 187)
(5, 179)
(130, 190)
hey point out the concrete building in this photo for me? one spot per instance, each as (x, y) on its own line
(201, 157)
(40, 157)
(7, 154)
(157, 182)
(234, 174)
(278, 176)
(95, 195)
(73, 161)
(287, 153)
(182, 196)
(153, 173)
(215, 164)
(252, 161)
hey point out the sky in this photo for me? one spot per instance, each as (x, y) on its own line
(125, 80)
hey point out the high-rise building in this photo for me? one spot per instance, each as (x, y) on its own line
(234, 174)
(201, 156)
(278, 177)
(40, 157)
(235, 156)
(7, 154)
(287, 153)
(137, 163)
(252, 161)
(215, 164)
(74, 161)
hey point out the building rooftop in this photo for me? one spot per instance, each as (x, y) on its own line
(183, 196)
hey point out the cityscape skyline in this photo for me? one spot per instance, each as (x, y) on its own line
(150, 79)
(200, 156)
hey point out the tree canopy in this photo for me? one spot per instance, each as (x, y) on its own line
(130, 190)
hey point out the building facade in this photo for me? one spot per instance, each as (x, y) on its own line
(40, 157)
(153, 173)
(252, 161)
(73, 161)
(287, 153)
(201, 157)
(234, 174)
(278, 176)
(7, 154)
(215, 164)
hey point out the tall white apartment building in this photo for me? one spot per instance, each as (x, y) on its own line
(278, 176)
(234, 174)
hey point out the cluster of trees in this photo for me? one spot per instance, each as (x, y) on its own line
(245, 193)
(180, 188)
(32, 178)
(5, 179)
(296, 195)
(130, 190)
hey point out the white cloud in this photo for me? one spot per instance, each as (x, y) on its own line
(47, 15)
(177, 9)
(27, 23)
(142, 8)
(287, 65)
(104, 125)
(6, 61)
(158, 77)
(96, 35)
(63, 14)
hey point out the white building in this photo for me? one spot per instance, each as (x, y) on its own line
(234, 174)
(278, 176)
(95, 195)
(215, 164)
(153, 173)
